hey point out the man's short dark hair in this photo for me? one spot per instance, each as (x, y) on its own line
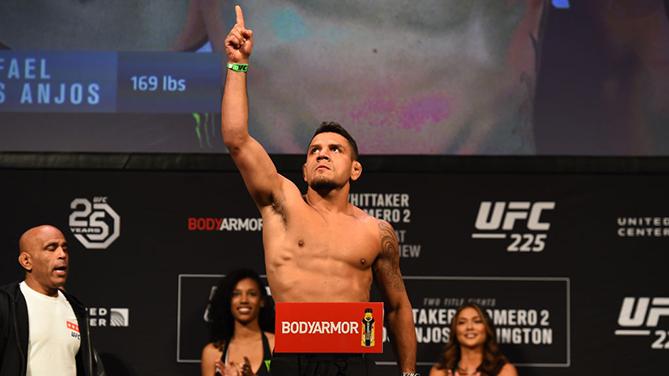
(333, 127)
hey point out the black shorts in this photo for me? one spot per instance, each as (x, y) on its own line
(321, 365)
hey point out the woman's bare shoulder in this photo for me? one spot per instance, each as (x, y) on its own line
(211, 349)
(434, 371)
(508, 370)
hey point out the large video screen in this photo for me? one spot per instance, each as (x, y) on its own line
(453, 77)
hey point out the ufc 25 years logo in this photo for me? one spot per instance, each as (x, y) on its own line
(641, 317)
(96, 225)
(521, 221)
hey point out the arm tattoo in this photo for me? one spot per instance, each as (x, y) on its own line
(390, 263)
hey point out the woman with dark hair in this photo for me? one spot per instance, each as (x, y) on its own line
(472, 348)
(242, 319)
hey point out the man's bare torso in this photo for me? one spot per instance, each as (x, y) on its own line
(312, 255)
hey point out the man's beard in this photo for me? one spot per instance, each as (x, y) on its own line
(323, 185)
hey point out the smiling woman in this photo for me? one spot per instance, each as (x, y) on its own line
(472, 348)
(242, 317)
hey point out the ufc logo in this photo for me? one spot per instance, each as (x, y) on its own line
(505, 215)
(631, 316)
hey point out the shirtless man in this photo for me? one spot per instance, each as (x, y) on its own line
(318, 247)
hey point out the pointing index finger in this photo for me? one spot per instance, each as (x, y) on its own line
(240, 16)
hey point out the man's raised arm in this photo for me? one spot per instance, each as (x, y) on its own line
(399, 313)
(262, 180)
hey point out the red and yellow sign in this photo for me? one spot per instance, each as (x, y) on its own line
(329, 327)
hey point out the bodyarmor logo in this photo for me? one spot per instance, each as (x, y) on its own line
(639, 316)
(499, 219)
(95, 225)
(368, 329)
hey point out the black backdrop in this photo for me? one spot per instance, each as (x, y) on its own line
(588, 234)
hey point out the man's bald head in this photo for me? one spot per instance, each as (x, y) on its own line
(31, 237)
(44, 256)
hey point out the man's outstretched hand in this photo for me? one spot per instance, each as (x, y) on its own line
(239, 42)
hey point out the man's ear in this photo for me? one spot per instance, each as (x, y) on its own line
(25, 261)
(304, 172)
(356, 170)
